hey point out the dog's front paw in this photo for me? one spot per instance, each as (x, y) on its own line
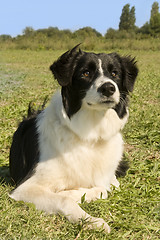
(95, 223)
(96, 193)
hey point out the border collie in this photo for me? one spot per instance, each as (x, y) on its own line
(74, 146)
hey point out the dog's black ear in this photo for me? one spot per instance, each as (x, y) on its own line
(131, 71)
(62, 69)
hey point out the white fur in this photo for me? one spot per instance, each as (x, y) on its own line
(93, 98)
(100, 67)
(77, 156)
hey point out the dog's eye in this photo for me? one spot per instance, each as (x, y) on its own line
(114, 74)
(86, 74)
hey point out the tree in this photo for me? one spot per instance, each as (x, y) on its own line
(5, 37)
(111, 33)
(155, 19)
(155, 23)
(155, 9)
(28, 31)
(87, 32)
(132, 18)
(127, 19)
(145, 29)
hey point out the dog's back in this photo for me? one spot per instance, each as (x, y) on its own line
(24, 152)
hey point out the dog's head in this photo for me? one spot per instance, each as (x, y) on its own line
(97, 81)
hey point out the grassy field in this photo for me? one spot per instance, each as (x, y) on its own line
(132, 211)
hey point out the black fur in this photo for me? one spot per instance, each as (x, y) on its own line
(24, 152)
(122, 168)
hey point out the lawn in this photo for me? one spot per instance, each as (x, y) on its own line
(133, 210)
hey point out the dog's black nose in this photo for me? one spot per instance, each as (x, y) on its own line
(107, 89)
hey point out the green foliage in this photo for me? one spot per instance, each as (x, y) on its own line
(132, 18)
(111, 33)
(155, 9)
(5, 37)
(120, 34)
(86, 32)
(28, 31)
(133, 210)
(152, 27)
(127, 19)
(54, 32)
(155, 24)
(145, 29)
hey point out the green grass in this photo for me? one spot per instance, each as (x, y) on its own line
(133, 211)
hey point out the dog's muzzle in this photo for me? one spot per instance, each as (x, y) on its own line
(107, 89)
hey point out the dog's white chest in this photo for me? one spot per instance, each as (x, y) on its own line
(81, 152)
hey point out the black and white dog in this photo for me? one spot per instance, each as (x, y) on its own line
(74, 146)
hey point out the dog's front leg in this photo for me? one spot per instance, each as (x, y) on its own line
(88, 193)
(115, 182)
(56, 203)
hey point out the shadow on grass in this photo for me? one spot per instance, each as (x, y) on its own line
(5, 175)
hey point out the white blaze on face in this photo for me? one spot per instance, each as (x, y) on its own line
(94, 98)
(100, 66)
